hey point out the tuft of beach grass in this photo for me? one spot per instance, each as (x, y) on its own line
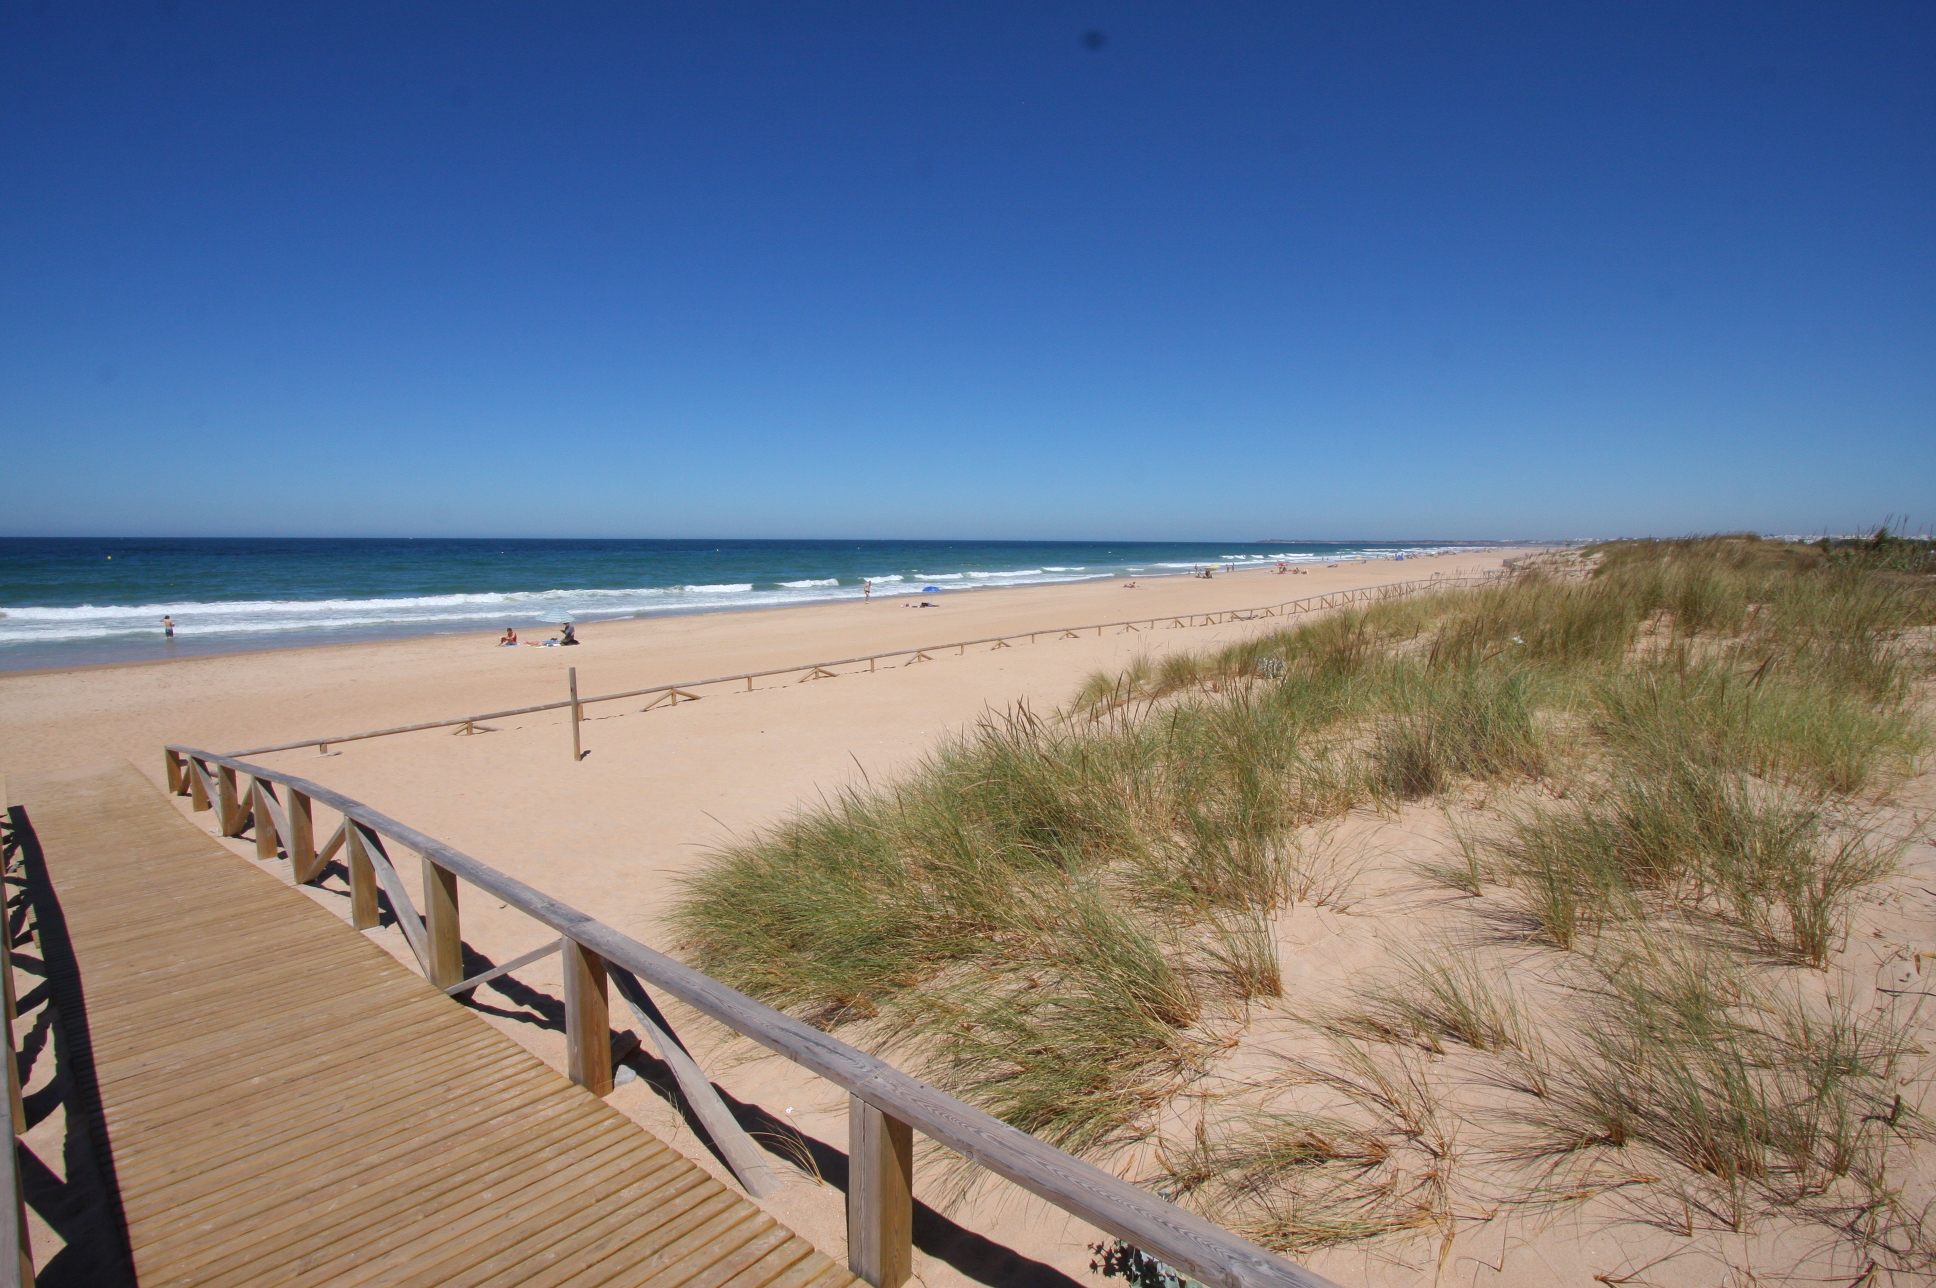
(1671, 772)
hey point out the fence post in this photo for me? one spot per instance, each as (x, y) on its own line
(265, 822)
(440, 921)
(172, 761)
(15, 1109)
(301, 841)
(880, 1195)
(197, 786)
(230, 814)
(588, 1021)
(572, 675)
(16, 1246)
(363, 905)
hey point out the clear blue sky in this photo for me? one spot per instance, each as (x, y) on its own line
(1052, 269)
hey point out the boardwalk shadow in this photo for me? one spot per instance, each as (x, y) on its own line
(976, 1256)
(82, 1200)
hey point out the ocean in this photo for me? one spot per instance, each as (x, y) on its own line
(71, 602)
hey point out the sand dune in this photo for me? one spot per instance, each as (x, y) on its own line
(612, 833)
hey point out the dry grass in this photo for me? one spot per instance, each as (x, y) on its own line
(1684, 765)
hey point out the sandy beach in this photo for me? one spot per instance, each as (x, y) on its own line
(612, 834)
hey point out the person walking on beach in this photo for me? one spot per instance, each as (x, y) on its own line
(168, 627)
(866, 591)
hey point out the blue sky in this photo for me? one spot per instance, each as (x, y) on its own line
(1093, 269)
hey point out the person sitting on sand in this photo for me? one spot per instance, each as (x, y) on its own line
(1129, 585)
(510, 639)
(570, 635)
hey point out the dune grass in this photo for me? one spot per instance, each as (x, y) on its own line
(1302, 1181)
(1688, 756)
(1683, 839)
(1752, 1095)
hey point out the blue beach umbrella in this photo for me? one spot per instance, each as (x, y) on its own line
(930, 590)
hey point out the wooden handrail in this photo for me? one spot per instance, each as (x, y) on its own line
(16, 1244)
(877, 1234)
(1329, 599)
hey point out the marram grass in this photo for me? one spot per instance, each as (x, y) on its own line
(1687, 755)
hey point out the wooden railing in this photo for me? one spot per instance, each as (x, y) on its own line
(681, 690)
(16, 1247)
(885, 1105)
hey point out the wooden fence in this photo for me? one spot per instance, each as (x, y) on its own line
(680, 691)
(16, 1248)
(885, 1105)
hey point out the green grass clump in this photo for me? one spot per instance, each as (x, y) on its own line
(1721, 717)
(1686, 839)
(1437, 998)
(1477, 722)
(1047, 916)
(1762, 1097)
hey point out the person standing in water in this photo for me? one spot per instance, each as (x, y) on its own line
(168, 627)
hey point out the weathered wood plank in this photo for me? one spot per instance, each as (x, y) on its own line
(1204, 1251)
(299, 842)
(445, 958)
(364, 913)
(271, 1120)
(229, 801)
(16, 1244)
(880, 1195)
(588, 1022)
(523, 959)
(747, 1159)
(400, 906)
(266, 826)
(199, 787)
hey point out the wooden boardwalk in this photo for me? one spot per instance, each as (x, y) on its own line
(287, 1105)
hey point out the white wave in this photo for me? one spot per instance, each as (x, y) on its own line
(492, 610)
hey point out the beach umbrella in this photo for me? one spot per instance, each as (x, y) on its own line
(930, 590)
(556, 617)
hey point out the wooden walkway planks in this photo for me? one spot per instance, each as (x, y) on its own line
(288, 1105)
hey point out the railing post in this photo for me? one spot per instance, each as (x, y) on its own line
(265, 822)
(172, 761)
(16, 1110)
(16, 1246)
(301, 841)
(440, 921)
(230, 814)
(363, 906)
(588, 1021)
(880, 1195)
(197, 786)
(576, 715)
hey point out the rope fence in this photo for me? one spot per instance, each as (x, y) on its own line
(681, 690)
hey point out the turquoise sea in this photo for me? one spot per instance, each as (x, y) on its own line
(74, 601)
